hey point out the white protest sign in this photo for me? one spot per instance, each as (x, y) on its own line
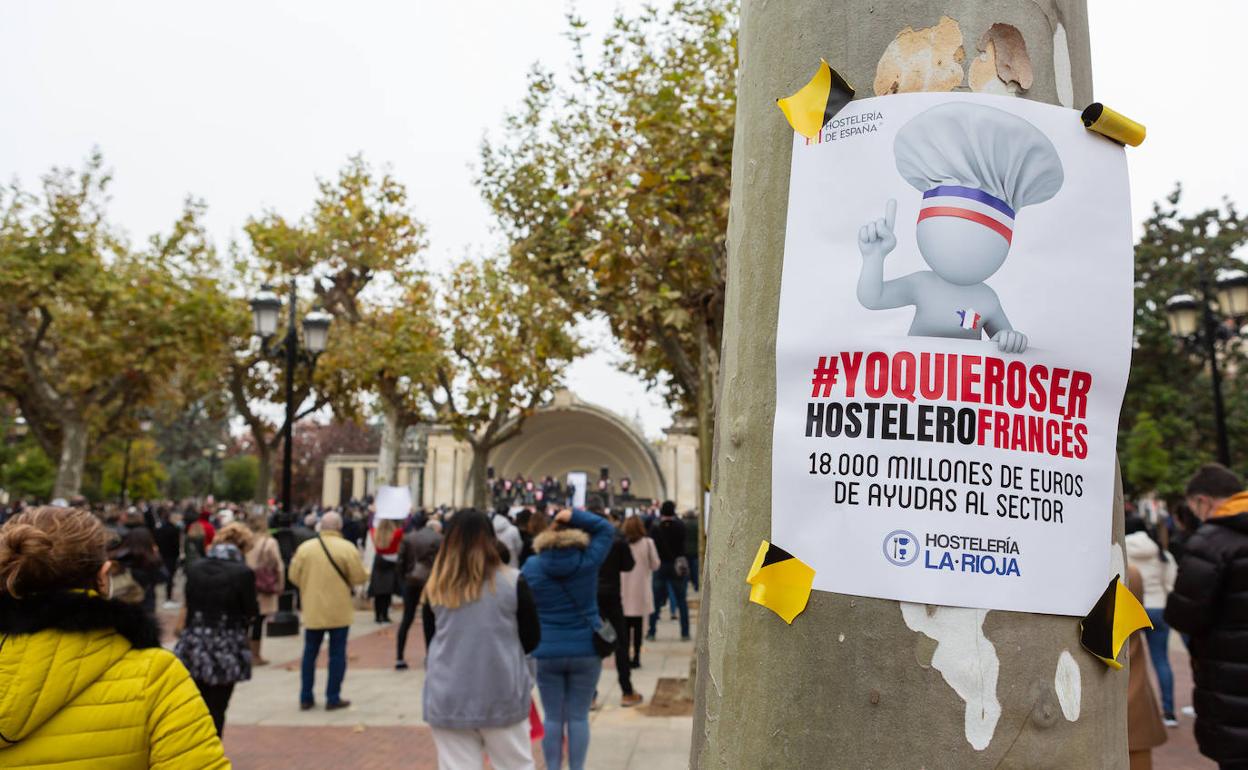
(953, 345)
(578, 480)
(393, 502)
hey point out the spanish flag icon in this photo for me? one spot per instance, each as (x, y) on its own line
(1106, 628)
(817, 101)
(780, 581)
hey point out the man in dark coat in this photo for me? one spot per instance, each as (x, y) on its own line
(672, 576)
(168, 538)
(1210, 602)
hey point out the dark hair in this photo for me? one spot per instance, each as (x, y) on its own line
(540, 507)
(668, 508)
(1186, 520)
(140, 548)
(1215, 480)
(594, 503)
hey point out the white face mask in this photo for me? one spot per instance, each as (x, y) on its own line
(109, 593)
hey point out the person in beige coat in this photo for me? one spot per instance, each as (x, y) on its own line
(326, 568)
(1157, 573)
(636, 591)
(1144, 726)
(265, 560)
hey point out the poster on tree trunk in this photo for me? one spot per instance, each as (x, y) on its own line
(953, 345)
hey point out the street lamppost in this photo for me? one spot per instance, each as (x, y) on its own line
(1195, 321)
(266, 309)
(213, 455)
(144, 426)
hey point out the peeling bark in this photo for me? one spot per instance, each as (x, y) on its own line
(264, 477)
(1013, 64)
(928, 59)
(391, 443)
(478, 483)
(73, 457)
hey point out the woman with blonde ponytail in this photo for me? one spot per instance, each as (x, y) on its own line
(74, 662)
(480, 622)
(383, 583)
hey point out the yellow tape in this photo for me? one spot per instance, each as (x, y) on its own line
(779, 581)
(1104, 121)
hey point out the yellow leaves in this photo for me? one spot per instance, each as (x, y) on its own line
(649, 179)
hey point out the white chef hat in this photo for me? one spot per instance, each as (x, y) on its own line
(977, 158)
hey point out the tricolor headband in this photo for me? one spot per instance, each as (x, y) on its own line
(968, 203)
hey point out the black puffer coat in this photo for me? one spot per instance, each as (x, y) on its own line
(1210, 602)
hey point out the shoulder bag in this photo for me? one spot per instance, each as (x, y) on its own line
(268, 574)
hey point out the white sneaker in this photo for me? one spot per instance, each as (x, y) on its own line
(1187, 711)
(170, 605)
(1170, 721)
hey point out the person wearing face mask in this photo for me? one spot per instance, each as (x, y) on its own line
(1210, 602)
(75, 663)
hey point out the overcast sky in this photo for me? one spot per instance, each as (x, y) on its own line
(245, 103)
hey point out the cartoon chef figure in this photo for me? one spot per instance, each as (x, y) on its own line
(976, 166)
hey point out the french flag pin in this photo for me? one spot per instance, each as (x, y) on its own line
(970, 319)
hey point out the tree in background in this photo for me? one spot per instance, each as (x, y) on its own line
(1169, 382)
(314, 443)
(387, 362)
(616, 191)
(188, 437)
(1147, 463)
(507, 343)
(94, 327)
(360, 229)
(238, 478)
(144, 475)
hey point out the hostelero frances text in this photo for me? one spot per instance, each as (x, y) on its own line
(1055, 400)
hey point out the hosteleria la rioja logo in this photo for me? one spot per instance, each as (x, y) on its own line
(901, 547)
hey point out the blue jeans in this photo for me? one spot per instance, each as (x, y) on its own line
(567, 688)
(693, 579)
(337, 662)
(666, 582)
(1158, 649)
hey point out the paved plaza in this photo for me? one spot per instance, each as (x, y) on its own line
(383, 727)
(265, 730)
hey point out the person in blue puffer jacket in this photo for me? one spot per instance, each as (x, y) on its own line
(563, 576)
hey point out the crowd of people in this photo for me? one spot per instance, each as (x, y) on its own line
(511, 600)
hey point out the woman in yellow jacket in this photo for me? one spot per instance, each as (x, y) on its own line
(84, 682)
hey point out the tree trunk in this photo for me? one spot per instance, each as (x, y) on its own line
(850, 684)
(392, 429)
(478, 484)
(264, 478)
(73, 457)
